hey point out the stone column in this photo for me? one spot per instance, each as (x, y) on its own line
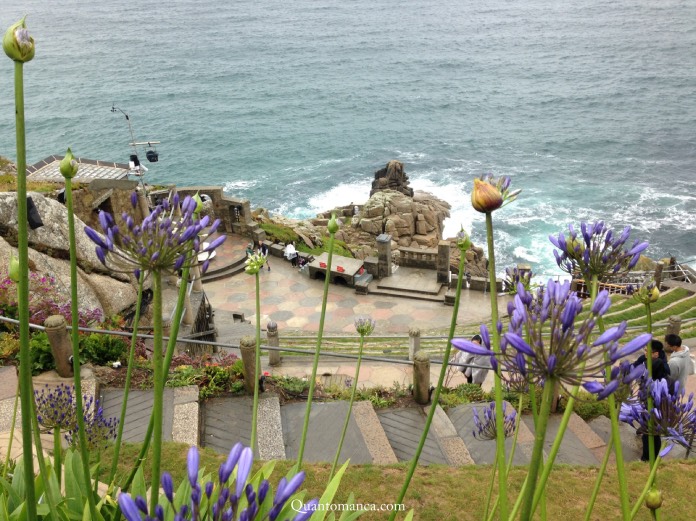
(247, 345)
(443, 262)
(143, 204)
(658, 274)
(673, 325)
(413, 342)
(273, 341)
(421, 378)
(384, 254)
(61, 344)
(196, 276)
(187, 319)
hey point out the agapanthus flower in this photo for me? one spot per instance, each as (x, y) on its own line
(18, 43)
(463, 241)
(620, 383)
(68, 165)
(489, 194)
(162, 242)
(226, 499)
(646, 293)
(485, 428)
(558, 348)
(596, 251)
(672, 416)
(254, 263)
(99, 429)
(515, 276)
(55, 407)
(365, 326)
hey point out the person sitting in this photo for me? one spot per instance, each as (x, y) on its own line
(291, 254)
(249, 250)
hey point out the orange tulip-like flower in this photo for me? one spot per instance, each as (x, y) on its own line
(485, 197)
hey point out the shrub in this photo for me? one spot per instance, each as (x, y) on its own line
(102, 349)
(41, 354)
(9, 345)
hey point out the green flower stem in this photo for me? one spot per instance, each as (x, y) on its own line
(646, 489)
(354, 388)
(438, 388)
(75, 334)
(257, 365)
(598, 482)
(57, 454)
(618, 450)
(490, 490)
(499, 418)
(174, 333)
(129, 374)
(315, 364)
(25, 383)
(651, 438)
(158, 406)
(43, 470)
(12, 431)
(538, 452)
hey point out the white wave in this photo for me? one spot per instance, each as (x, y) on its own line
(231, 186)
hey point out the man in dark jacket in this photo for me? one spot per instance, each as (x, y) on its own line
(660, 370)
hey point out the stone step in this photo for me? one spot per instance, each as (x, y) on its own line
(572, 451)
(325, 425)
(223, 272)
(428, 297)
(403, 428)
(227, 420)
(483, 451)
(451, 444)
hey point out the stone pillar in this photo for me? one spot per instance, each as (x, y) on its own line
(443, 262)
(196, 276)
(272, 340)
(413, 342)
(658, 274)
(247, 345)
(61, 344)
(187, 319)
(384, 254)
(421, 378)
(673, 325)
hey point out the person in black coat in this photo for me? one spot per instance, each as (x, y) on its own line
(660, 370)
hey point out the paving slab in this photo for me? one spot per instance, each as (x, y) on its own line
(138, 411)
(403, 428)
(325, 425)
(373, 433)
(572, 451)
(631, 444)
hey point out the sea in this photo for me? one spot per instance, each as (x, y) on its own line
(589, 106)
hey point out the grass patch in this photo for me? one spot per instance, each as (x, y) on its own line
(455, 494)
(285, 234)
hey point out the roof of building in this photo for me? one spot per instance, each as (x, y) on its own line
(48, 169)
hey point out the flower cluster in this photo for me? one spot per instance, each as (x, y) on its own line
(254, 263)
(227, 500)
(486, 427)
(515, 276)
(365, 326)
(55, 407)
(596, 251)
(621, 381)
(490, 194)
(99, 430)
(646, 293)
(672, 416)
(557, 347)
(160, 243)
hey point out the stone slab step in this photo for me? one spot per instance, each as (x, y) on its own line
(373, 433)
(483, 451)
(452, 445)
(631, 444)
(403, 428)
(374, 290)
(138, 411)
(325, 425)
(572, 451)
(227, 420)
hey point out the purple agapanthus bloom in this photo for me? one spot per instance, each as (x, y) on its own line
(620, 382)
(672, 416)
(514, 276)
(486, 426)
(595, 250)
(558, 348)
(225, 500)
(162, 242)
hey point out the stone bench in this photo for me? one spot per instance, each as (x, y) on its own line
(481, 284)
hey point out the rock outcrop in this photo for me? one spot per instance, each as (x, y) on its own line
(49, 254)
(391, 177)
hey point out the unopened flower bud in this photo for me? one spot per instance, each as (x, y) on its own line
(653, 499)
(485, 197)
(14, 269)
(199, 204)
(654, 294)
(463, 240)
(17, 43)
(68, 165)
(333, 224)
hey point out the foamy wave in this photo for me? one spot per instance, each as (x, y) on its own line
(231, 186)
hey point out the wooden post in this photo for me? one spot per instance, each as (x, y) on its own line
(673, 325)
(61, 344)
(421, 378)
(658, 274)
(272, 340)
(247, 345)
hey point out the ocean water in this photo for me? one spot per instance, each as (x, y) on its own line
(590, 106)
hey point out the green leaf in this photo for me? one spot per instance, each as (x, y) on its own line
(13, 499)
(329, 493)
(349, 515)
(138, 487)
(73, 493)
(409, 516)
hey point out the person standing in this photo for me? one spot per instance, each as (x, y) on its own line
(291, 254)
(679, 360)
(475, 375)
(263, 250)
